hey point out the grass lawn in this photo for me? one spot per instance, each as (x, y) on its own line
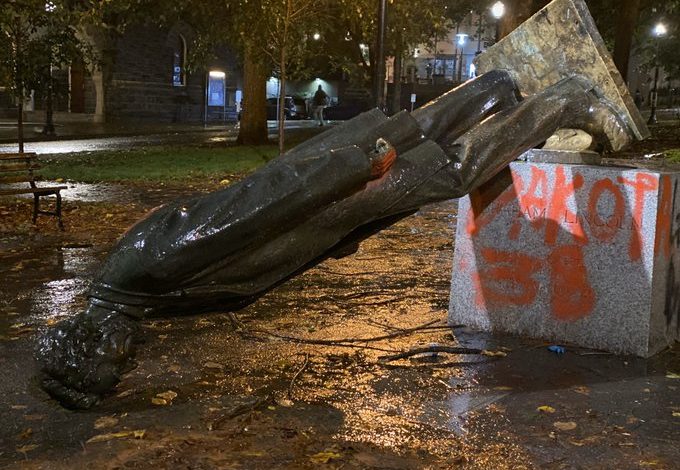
(157, 163)
(673, 155)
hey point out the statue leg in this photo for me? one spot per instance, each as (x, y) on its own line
(488, 147)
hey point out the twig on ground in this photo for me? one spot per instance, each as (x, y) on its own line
(297, 374)
(235, 322)
(336, 342)
(429, 349)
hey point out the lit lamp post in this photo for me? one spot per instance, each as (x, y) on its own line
(659, 31)
(497, 11)
(48, 128)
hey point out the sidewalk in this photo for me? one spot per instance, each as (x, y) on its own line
(84, 130)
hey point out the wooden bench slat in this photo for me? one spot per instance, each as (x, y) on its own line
(17, 156)
(39, 190)
(7, 167)
(17, 179)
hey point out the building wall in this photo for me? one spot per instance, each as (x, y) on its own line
(140, 83)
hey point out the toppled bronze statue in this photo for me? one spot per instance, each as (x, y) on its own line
(223, 250)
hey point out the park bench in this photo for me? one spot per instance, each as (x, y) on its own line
(21, 168)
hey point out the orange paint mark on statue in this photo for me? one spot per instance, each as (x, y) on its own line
(662, 241)
(606, 230)
(476, 221)
(572, 297)
(557, 208)
(507, 278)
(642, 183)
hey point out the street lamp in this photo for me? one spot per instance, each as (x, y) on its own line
(497, 11)
(659, 31)
(48, 128)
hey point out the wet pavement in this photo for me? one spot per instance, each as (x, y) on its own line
(268, 389)
(128, 137)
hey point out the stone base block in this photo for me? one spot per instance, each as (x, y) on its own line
(572, 253)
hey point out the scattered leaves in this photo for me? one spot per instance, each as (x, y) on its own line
(672, 375)
(325, 456)
(136, 434)
(546, 409)
(564, 425)
(26, 448)
(582, 389)
(212, 365)
(494, 353)
(105, 422)
(164, 398)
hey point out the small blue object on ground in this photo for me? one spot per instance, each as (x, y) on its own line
(557, 349)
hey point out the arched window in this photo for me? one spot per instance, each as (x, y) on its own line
(179, 64)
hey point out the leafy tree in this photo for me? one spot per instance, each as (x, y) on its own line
(37, 35)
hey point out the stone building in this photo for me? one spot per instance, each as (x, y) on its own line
(143, 76)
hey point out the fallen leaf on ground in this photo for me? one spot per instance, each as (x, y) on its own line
(212, 365)
(494, 353)
(565, 425)
(672, 375)
(105, 422)
(164, 398)
(676, 414)
(582, 389)
(136, 434)
(19, 407)
(27, 448)
(324, 457)
(546, 409)
(26, 433)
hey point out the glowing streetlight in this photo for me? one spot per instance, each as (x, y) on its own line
(498, 10)
(660, 30)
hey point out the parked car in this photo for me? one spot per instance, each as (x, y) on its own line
(291, 110)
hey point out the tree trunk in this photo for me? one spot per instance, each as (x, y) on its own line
(625, 27)
(253, 128)
(20, 125)
(396, 82)
(20, 88)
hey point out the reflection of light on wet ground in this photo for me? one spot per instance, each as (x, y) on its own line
(63, 296)
(57, 298)
(88, 192)
(462, 404)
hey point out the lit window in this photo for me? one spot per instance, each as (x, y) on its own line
(179, 62)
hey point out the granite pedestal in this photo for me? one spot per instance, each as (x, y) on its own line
(578, 254)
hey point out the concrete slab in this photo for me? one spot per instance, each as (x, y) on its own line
(572, 253)
(560, 41)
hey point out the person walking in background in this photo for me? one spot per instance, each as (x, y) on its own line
(319, 101)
